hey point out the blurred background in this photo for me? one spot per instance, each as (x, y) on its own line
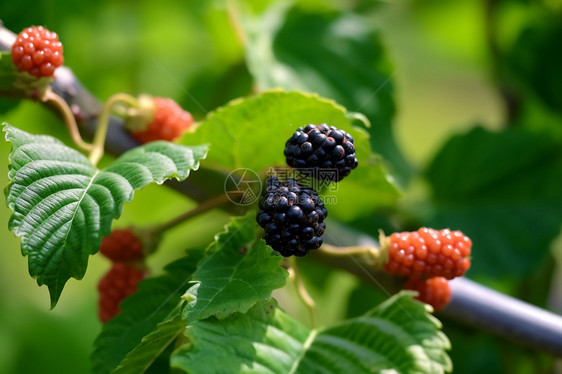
(466, 111)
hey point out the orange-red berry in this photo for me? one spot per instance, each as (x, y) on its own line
(169, 123)
(118, 283)
(428, 253)
(433, 291)
(122, 245)
(37, 51)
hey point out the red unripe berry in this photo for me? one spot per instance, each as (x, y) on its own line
(427, 253)
(37, 51)
(122, 245)
(169, 123)
(433, 291)
(118, 283)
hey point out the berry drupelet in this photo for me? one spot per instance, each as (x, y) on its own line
(323, 152)
(292, 217)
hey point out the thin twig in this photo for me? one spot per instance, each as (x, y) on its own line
(303, 294)
(199, 209)
(68, 117)
(103, 123)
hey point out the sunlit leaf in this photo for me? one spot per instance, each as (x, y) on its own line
(63, 205)
(251, 134)
(238, 270)
(397, 336)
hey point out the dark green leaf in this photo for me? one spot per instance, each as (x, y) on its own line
(238, 270)
(397, 336)
(264, 340)
(503, 190)
(157, 300)
(337, 55)
(152, 345)
(533, 62)
(7, 72)
(63, 206)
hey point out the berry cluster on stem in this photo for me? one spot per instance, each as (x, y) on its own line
(125, 250)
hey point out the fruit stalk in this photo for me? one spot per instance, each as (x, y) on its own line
(68, 117)
(101, 131)
(302, 292)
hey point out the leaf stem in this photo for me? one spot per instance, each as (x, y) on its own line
(68, 117)
(101, 132)
(302, 292)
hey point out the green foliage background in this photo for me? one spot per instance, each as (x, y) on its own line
(498, 178)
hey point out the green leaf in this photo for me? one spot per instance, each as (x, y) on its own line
(157, 301)
(533, 62)
(7, 72)
(503, 190)
(63, 206)
(264, 340)
(152, 345)
(397, 336)
(239, 269)
(337, 55)
(251, 134)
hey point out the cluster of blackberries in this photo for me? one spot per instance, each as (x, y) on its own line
(322, 152)
(292, 216)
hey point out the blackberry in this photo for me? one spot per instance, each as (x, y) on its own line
(292, 217)
(325, 153)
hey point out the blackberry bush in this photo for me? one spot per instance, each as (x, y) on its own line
(322, 152)
(292, 217)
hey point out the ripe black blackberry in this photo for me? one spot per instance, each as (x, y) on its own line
(325, 153)
(292, 217)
